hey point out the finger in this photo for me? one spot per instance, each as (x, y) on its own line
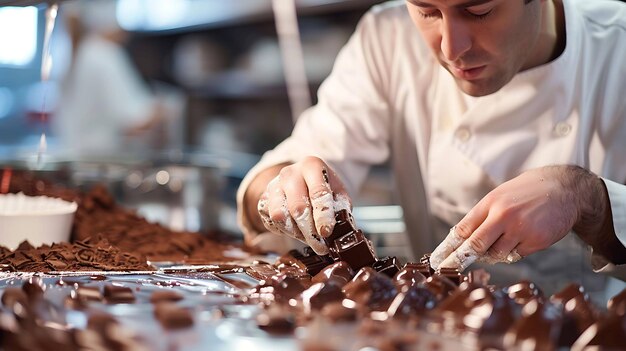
(500, 250)
(475, 246)
(276, 201)
(270, 224)
(342, 202)
(299, 207)
(321, 195)
(472, 220)
(445, 248)
(279, 221)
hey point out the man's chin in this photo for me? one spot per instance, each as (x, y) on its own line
(477, 88)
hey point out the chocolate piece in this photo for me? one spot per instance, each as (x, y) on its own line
(313, 263)
(371, 289)
(523, 292)
(276, 320)
(100, 322)
(343, 226)
(12, 296)
(321, 294)
(348, 244)
(577, 311)
(453, 274)
(409, 275)
(479, 277)
(355, 249)
(343, 311)
(607, 334)
(539, 326)
(171, 316)
(617, 304)
(87, 293)
(411, 302)
(339, 272)
(280, 288)
(165, 296)
(118, 294)
(440, 286)
(387, 265)
(425, 261)
(474, 308)
(34, 289)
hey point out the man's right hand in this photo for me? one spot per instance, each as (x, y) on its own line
(301, 202)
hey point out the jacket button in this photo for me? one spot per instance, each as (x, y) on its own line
(562, 129)
(463, 134)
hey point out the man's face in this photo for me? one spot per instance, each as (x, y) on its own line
(482, 43)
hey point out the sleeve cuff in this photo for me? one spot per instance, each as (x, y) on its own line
(617, 198)
(602, 265)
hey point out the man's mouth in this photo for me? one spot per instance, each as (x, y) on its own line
(467, 73)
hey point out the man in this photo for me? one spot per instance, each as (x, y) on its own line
(106, 109)
(498, 116)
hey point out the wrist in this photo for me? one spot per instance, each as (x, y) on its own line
(589, 196)
(594, 223)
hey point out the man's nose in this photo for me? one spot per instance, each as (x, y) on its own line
(455, 39)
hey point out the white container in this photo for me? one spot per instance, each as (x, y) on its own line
(38, 219)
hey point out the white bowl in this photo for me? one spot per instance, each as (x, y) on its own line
(38, 219)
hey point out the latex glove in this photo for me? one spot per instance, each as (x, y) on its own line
(522, 216)
(301, 202)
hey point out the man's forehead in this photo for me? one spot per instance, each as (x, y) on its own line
(448, 3)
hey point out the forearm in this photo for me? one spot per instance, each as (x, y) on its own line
(253, 194)
(594, 223)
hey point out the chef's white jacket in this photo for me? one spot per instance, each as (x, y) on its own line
(388, 98)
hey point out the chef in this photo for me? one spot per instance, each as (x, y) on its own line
(503, 119)
(106, 108)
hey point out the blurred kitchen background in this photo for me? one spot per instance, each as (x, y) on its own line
(217, 69)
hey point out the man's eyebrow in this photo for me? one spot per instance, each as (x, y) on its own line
(469, 3)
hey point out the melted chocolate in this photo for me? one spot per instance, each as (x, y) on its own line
(539, 326)
(371, 289)
(321, 294)
(276, 320)
(578, 314)
(409, 275)
(617, 304)
(339, 272)
(411, 302)
(524, 292)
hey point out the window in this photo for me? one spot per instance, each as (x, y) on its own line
(18, 35)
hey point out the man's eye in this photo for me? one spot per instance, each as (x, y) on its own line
(429, 14)
(479, 12)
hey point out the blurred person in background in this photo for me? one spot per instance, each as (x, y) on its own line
(105, 107)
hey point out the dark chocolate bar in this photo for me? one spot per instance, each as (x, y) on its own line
(346, 243)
